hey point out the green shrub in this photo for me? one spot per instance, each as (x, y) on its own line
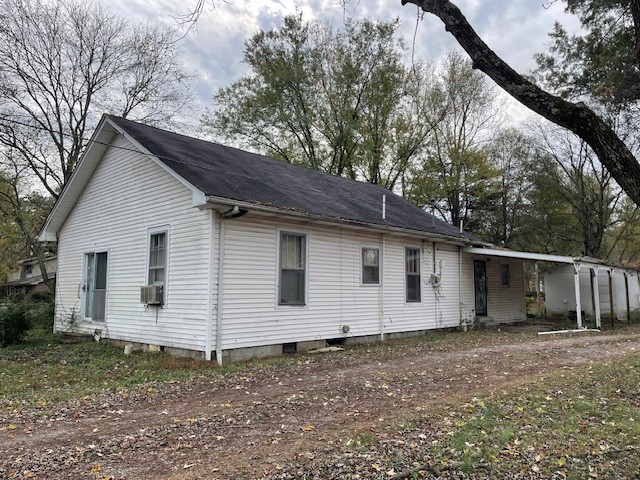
(41, 310)
(14, 322)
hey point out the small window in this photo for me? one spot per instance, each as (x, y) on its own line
(371, 265)
(293, 259)
(412, 269)
(505, 275)
(157, 259)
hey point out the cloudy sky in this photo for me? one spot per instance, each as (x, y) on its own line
(515, 29)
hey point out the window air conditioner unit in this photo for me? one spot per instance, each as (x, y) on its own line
(151, 294)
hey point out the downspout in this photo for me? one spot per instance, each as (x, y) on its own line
(460, 287)
(207, 342)
(220, 290)
(235, 212)
(384, 243)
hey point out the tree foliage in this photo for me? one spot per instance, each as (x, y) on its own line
(22, 214)
(456, 179)
(586, 187)
(340, 101)
(601, 62)
(507, 221)
(611, 150)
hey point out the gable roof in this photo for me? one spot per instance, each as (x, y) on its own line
(221, 172)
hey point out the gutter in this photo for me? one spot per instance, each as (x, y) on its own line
(212, 200)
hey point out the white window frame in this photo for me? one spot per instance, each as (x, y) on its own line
(166, 229)
(299, 232)
(371, 247)
(83, 295)
(508, 285)
(404, 259)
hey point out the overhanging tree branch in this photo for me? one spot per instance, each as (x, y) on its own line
(578, 118)
(635, 13)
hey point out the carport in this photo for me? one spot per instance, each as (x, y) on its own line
(565, 292)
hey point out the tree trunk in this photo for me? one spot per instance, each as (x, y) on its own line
(581, 120)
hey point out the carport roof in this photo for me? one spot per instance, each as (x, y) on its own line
(538, 257)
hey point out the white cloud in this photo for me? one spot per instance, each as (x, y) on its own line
(213, 50)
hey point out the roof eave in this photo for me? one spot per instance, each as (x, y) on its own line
(213, 202)
(76, 184)
(100, 141)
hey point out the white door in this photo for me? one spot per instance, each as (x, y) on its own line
(95, 286)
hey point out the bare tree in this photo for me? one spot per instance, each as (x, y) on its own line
(585, 185)
(64, 63)
(577, 117)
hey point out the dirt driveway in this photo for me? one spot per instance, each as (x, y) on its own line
(250, 424)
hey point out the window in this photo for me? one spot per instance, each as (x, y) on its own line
(505, 275)
(371, 265)
(157, 258)
(293, 260)
(412, 269)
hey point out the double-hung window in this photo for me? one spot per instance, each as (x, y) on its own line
(370, 266)
(412, 273)
(157, 274)
(293, 268)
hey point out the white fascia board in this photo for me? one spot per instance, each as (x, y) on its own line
(100, 141)
(539, 257)
(216, 202)
(198, 198)
(70, 194)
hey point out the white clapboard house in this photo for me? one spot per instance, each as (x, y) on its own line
(169, 241)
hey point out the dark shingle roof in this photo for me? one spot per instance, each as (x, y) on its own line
(234, 174)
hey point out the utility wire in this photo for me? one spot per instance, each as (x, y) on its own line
(89, 141)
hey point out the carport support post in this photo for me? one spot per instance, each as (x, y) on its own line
(626, 295)
(538, 314)
(576, 280)
(611, 302)
(596, 294)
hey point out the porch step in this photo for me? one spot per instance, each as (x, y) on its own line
(484, 321)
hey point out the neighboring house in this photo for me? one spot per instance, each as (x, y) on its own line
(603, 288)
(171, 241)
(28, 278)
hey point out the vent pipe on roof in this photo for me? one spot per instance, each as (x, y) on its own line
(432, 203)
(384, 207)
(461, 222)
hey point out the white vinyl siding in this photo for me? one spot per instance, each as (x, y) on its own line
(560, 291)
(126, 197)
(335, 294)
